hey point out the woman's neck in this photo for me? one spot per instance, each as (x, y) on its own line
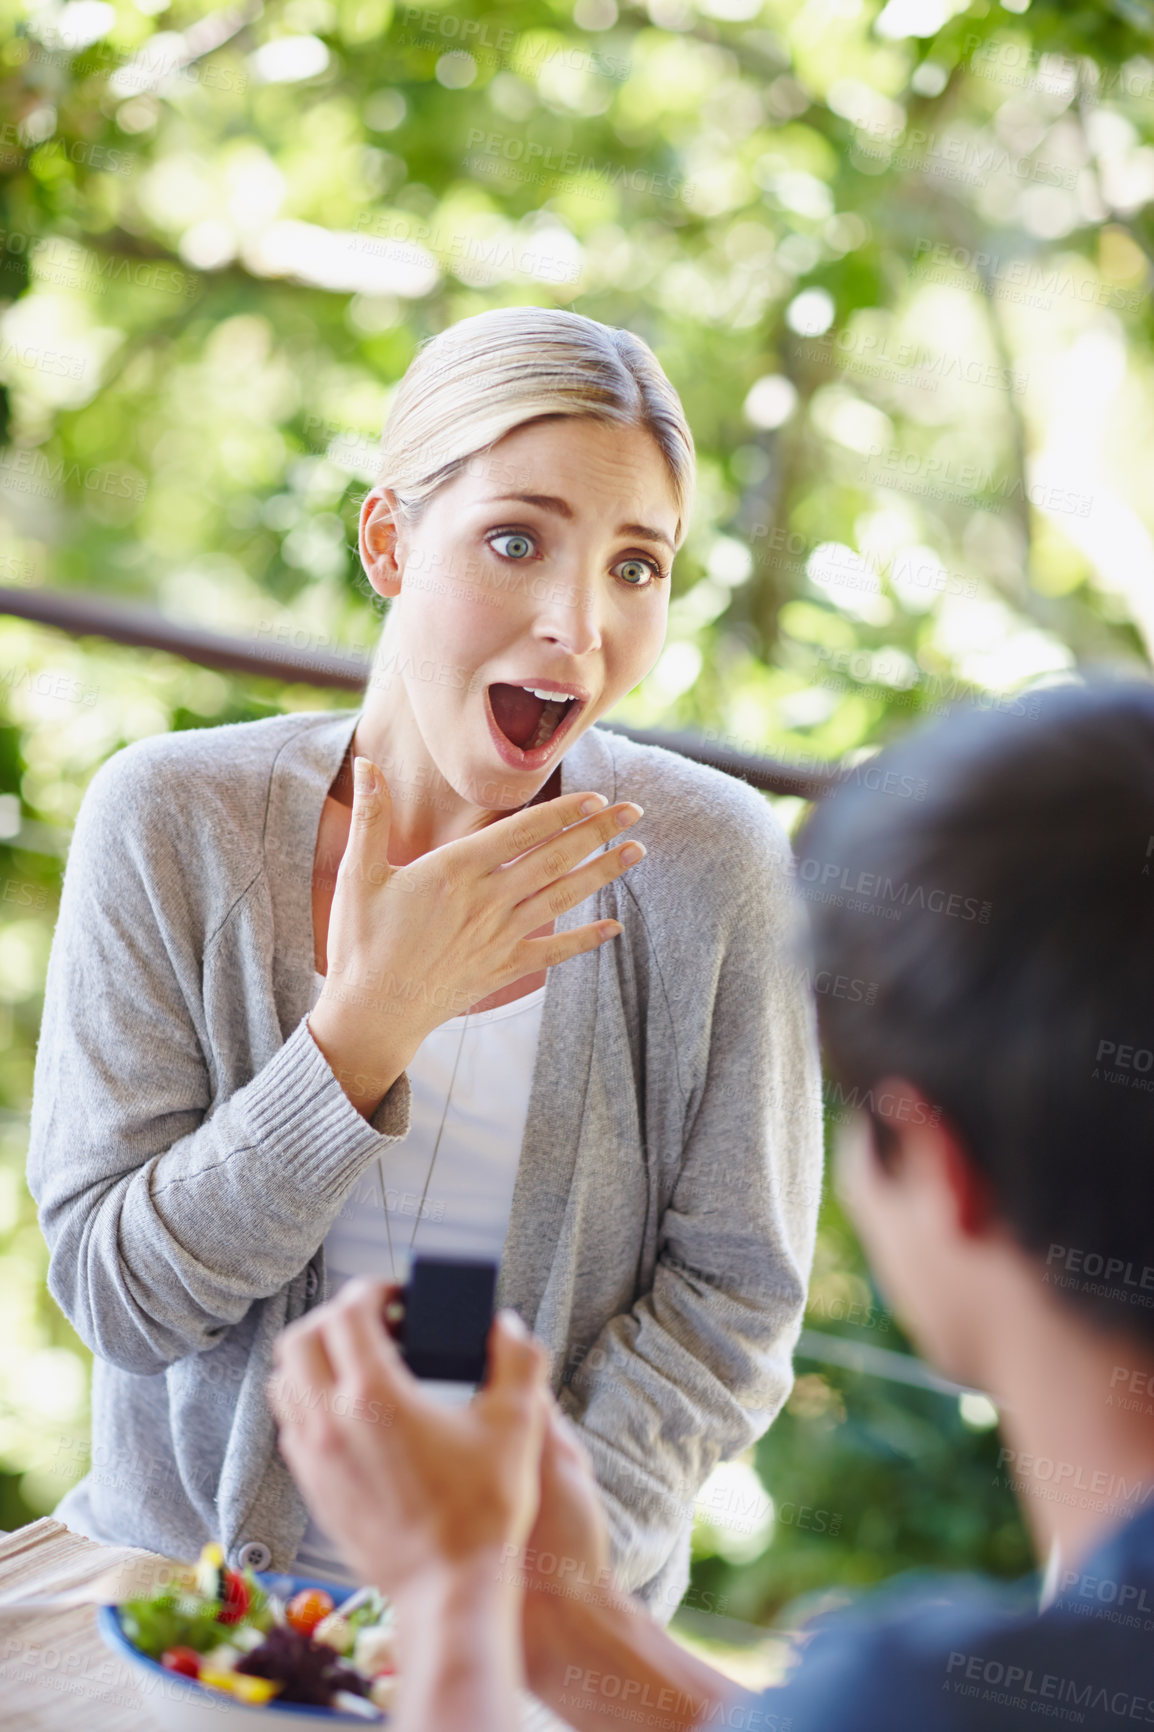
(427, 811)
(341, 789)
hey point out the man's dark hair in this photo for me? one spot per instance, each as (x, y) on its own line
(991, 879)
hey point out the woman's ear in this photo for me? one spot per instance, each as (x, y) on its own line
(378, 541)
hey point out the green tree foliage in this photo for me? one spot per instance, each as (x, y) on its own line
(896, 259)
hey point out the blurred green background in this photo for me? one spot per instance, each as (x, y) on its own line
(895, 258)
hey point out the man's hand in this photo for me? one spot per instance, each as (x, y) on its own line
(405, 1487)
(576, 1624)
(567, 1553)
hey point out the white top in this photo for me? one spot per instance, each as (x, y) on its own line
(487, 1057)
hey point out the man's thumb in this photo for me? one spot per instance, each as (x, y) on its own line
(516, 1361)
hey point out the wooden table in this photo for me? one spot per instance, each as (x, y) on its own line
(56, 1675)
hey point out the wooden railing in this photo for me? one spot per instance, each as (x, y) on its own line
(82, 614)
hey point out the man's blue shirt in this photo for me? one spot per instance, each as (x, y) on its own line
(941, 1654)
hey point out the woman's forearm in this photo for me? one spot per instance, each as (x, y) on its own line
(365, 1073)
(265, 1172)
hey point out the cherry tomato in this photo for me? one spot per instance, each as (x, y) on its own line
(306, 1609)
(237, 1598)
(183, 1660)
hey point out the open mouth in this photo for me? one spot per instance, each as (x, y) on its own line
(529, 719)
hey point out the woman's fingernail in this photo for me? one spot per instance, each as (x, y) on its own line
(595, 803)
(632, 853)
(629, 815)
(363, 778)
(513, 1324)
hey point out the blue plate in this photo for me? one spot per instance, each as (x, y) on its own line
(183, 1705)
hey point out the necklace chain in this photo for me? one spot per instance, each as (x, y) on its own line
(432, 1162)
(346, 765)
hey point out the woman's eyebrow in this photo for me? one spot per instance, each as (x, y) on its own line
(560, 508)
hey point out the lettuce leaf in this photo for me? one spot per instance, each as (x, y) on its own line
(172, 1620)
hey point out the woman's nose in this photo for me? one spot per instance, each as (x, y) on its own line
(569, 616)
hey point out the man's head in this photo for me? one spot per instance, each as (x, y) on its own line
(992, 876)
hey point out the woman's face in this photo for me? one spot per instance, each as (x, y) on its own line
(544, 564)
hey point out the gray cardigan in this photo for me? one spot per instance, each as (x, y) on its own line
(190, 1146)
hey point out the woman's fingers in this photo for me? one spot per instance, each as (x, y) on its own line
(562, 850)
(564, 893)
(506, 840)
(368, 846)
(534, 954)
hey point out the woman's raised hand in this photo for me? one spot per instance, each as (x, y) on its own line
(410, 946)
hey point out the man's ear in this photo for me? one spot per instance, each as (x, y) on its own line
(970, 1189)
(904, 1116)
(378, 541)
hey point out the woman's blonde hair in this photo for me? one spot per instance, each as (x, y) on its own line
(482, 377)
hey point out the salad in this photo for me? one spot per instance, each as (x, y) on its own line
(219, 1626)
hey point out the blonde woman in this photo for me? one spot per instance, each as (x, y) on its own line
(500, 1029)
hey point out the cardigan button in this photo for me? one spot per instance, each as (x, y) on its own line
(312, 1282)
(253, 1556)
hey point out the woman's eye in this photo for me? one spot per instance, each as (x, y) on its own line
(637, 572)
(517, 546)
